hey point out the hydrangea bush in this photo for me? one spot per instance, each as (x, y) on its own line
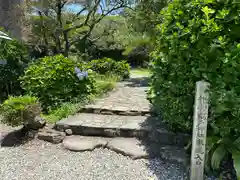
(57, 79)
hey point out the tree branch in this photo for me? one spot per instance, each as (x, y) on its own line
(93, 10)
(79, 13)
(96, 21)
(43, 29)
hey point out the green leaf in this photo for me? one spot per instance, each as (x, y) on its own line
(207, 164)
(217, 156)
(211, 145)
(208, 11)
(237, 143)
(236, 161)
(236, 1)
(211, 141)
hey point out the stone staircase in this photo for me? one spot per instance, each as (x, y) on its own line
(87, 124)
(124, 123)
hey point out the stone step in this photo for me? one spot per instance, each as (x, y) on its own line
(132, 147)
(123, 111)
(143, 127)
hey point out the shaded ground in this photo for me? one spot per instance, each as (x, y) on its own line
(10, 136)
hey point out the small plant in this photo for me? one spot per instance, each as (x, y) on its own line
(20, 110)
(218, 150)
(109, 66)
(63, 111)
(54, 81)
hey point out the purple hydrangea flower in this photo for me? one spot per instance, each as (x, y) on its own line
(81, 74)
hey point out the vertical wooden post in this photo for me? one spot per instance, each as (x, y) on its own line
(199, 131)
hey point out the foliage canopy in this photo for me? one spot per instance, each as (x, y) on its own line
(199, 40)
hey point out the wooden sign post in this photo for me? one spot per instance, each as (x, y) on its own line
(199, 131)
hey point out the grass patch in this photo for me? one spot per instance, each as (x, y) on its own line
(63, 111)
(105, 83)
(140, 71)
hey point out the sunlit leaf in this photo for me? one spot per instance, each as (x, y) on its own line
(237, 143)
(208, 10)
(4, 36)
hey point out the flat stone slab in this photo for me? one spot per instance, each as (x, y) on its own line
(83, 143)
(128, 147)
(120, 126)
(103, 121)
(132, 147)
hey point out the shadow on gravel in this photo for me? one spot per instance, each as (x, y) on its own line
(16, 138)
(165, 150)
(138, 82)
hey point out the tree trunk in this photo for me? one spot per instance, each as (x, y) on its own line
(67, 44)
(43, 29)
(58, 43)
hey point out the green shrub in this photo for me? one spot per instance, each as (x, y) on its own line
(20, 110)
(138, 52)
(199, 40)
(104, 84)
(139, 56)
(16, 57)
(54, 81)
(109, 66)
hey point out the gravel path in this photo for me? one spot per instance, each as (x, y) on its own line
(130, 95)
(38, 160)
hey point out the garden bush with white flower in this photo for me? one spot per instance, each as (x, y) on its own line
(57, 79)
